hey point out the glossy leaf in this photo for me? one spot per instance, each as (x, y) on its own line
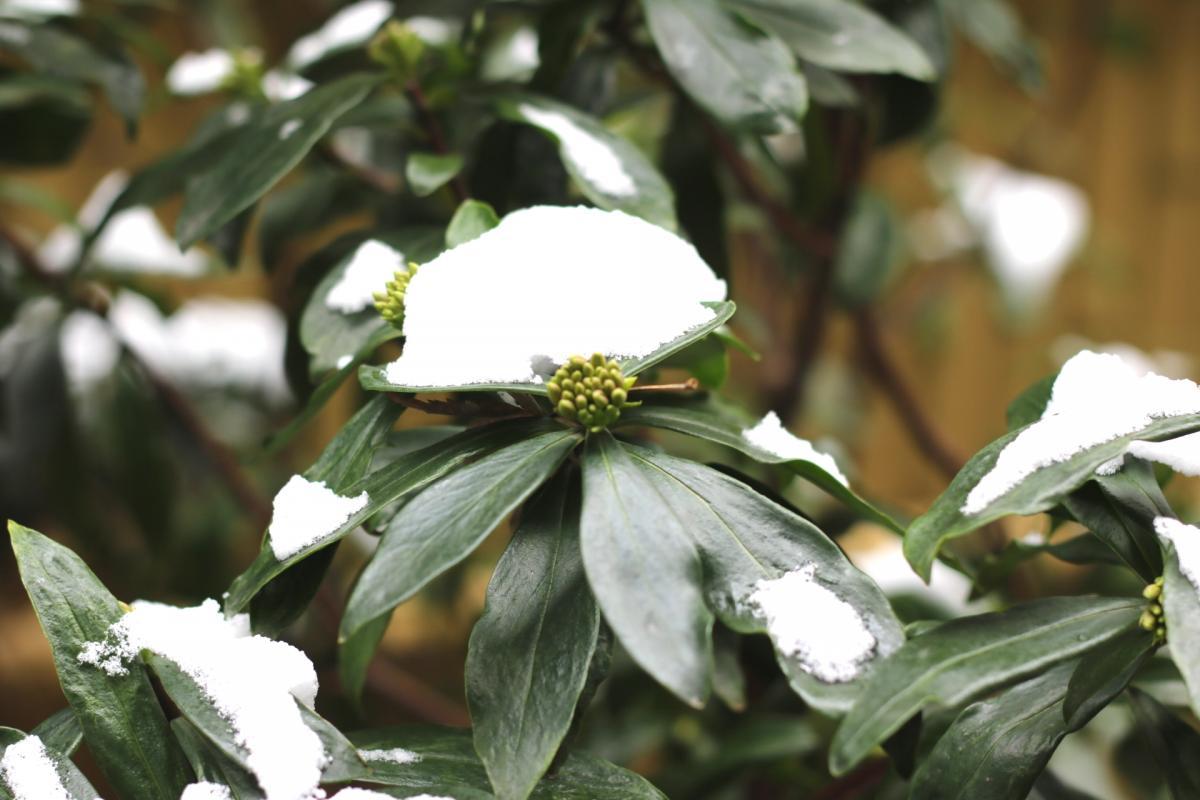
(213, 766)
(72, 779)
(428, 172)
(1120, 509)
(1174, 745)
(443, 524)
(609, 169)
(471, 219)
(122, 721)
(1102, 674)
(745, 78)
(1181, 604)
(60, 732)
(964, 657)
(840, 35)
(262, 153)
(529, 653)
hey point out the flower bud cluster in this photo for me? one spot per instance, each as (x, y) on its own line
(1153, 618)
(591, 391)
(390, 302)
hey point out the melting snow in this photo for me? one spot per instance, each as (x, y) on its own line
(199, 73)
(545, 284)
(600, 165)
(30, 772)
(396, 755)
(1186, 539)
(1096, 398)
(812, 624)
(307, 511)
(205, 791)
(371, 267)
(770, 435)
(252, 681)
(351, 26)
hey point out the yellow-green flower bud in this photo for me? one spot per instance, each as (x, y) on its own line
(390, 302)
(1147, 621)
(397, 49)
(590, 391)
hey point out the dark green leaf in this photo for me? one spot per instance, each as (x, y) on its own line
(707, 421)
(745, 78)
(1049, 787)
(868, 249)
(61, 732)
(1102, 674)
(213, 766)
(707, 361)
(839, 35)
(1120, 509)
(72, 779)
(729, 681)
(471, 219)
(964, 657)
(443, 524)
(1030, 404)
(1174, 745)
(121, 719)
(46, 118)
(645, 571)
(263, 152)
(609, 169)
(529, 653)
(428, 172)
(830, 89)
(354, 657)
(1181, 605)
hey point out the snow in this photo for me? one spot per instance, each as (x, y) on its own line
(351, 26)
(307, 511)
(253, 682)
(770, 435)
(289, 127)
(595, 159)
(135, 241)
(371, 267)
(884, 563)
(39, 8)
(89, 350)
(812, 624)
(1181, 454)
(1186, 539)
(200, 73)
(396, 755)
(205, 791)
(279, 86)
(545, 284)
(436, 31)
(30, 772)
(1096, 398)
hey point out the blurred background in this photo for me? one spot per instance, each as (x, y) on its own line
(1033, 218)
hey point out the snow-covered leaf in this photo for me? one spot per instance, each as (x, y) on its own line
(1181, 598)
(29, 770)
(350, 27)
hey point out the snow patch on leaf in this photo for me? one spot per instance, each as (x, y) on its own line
(1181, 454)
(812, 624)
(371, 267)
(770, 435)
(1096, 398)
(203, 790)
(600, 166)
(30, 772)
(200, 73)
(253, 682)
(351, 26)
(547, 283)
(307, 511)
(395, 755)
(1186, 539)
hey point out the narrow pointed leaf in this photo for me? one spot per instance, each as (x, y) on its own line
(1103, 673)
(72, 779)
(529, 653)
(443, 524)
(1181, 605)
(60, 732)
(122, 721)
(213, 766)
(1120, 509)
(1174, 745)
(964, 657)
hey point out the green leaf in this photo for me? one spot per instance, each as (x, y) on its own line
(994, 27)
(263, 152)
(868, 248)
(448, 765)
(997, 748)
(1102, 674)
(707, 421)
(964, 657)
(60, 732)
(743, 538)
(839, 35)
(744, 78)
(1173, 744)
(645, 571)
(529, 653)
(383, 487)
(213, 766)
(471, 219)
(428, 172)
(52, 115)
(355, 653)
(1030, 404)
(1181, 605)
(1120, 509)
(443, 524)
(1040, 491)
(121, 719)
(729, 681)
(336, 339)
(609, 169)
(374, 379)
(73, 781)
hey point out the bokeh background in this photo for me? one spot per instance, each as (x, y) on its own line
(1096, 174)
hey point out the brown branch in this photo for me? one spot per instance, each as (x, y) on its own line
(928, 439)
(437, 137)
(690, 385)
(407, 692)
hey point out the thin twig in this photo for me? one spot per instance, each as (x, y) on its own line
(405, 691)
(437, 138)
(690, 385)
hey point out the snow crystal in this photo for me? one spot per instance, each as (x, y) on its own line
(289, 127)
(205, 791)
(593, 157)
(1111, 467)
(30, 772)
(809, 622)
(305, 512)
(396, 755)
(770, 435)
(279, 86)
(371, 267)
(1186, 539)
(349, 27)
(546, 284)
(252, 681)
(1181, 454)
(1096, 398)
(199, 73)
